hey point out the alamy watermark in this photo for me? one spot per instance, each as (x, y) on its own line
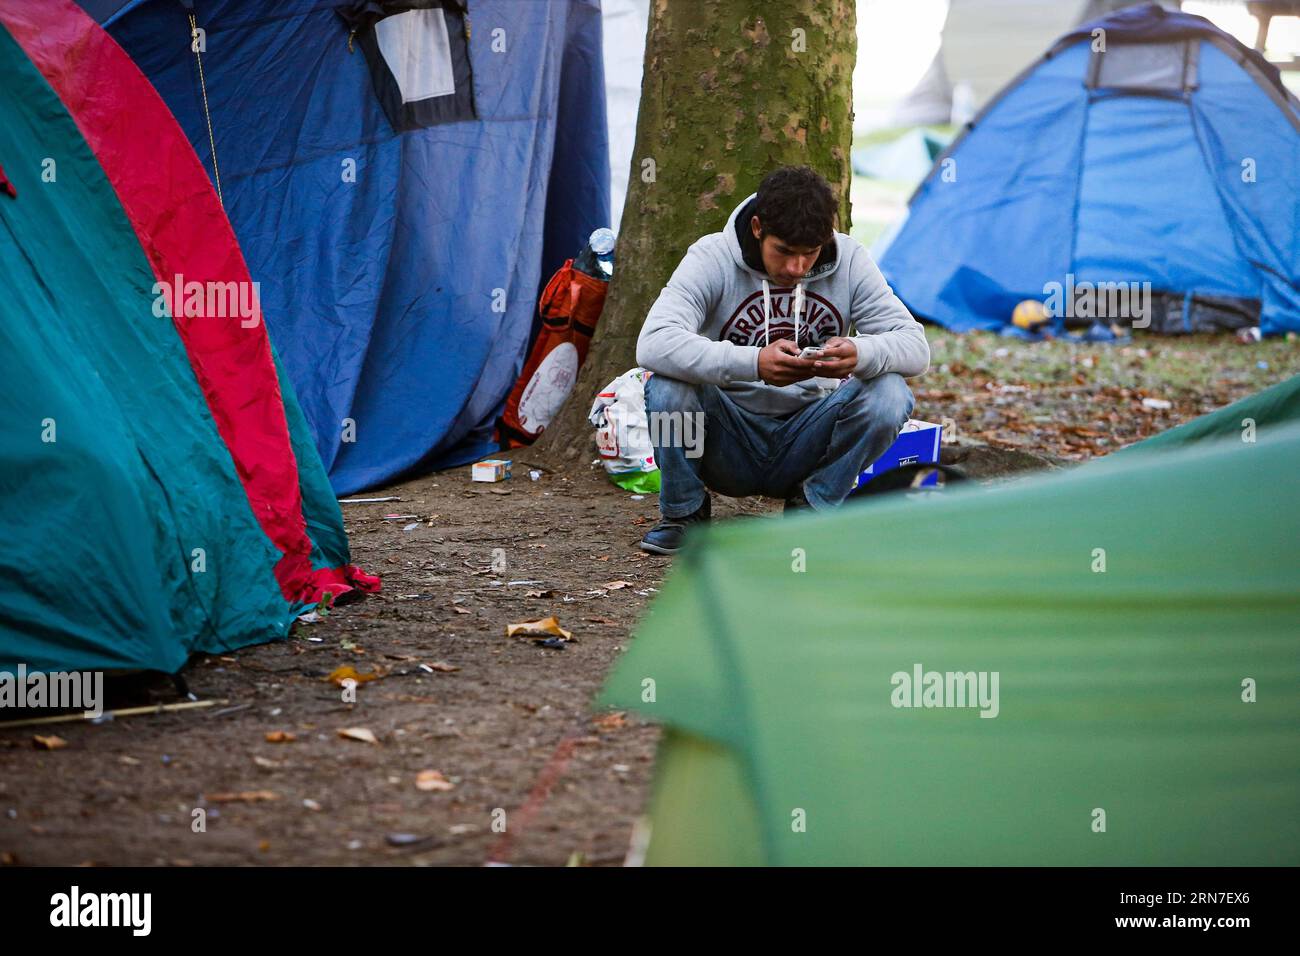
(63, 690)
(209, 300)
(1099, 300)
(922, 688)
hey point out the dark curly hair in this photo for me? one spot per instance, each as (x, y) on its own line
(796, 205)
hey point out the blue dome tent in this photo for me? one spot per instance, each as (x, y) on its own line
(402, 178)
(1145, 147)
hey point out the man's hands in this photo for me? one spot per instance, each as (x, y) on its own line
(838, 360)
(779, 362)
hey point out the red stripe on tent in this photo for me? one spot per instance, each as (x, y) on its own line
(183, 230)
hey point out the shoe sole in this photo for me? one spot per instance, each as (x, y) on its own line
(655, 549)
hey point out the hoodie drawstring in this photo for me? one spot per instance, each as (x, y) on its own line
(767, 311)
(798, 308)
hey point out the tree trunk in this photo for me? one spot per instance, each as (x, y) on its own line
(730, 90)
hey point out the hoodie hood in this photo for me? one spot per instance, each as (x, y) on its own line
(745, 252)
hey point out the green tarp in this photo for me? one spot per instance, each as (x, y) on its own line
(1121, 736)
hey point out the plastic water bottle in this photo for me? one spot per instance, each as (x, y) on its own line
(597, 256)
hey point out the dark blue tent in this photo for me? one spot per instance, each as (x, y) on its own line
(402, 177)
(1147, 146)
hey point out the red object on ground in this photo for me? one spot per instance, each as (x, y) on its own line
(166, 195)
(570, 306)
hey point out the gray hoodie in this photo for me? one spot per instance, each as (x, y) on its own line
(718, 311)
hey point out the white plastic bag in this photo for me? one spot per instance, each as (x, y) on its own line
(623, 433)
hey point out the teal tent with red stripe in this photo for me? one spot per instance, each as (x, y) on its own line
(159, 492)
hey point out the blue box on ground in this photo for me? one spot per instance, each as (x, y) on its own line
(917, 443)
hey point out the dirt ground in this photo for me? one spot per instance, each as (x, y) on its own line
(508, 724)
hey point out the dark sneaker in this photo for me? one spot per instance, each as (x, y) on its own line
(667, 536)
(796, 503)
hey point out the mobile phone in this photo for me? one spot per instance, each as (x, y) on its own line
(812, 352)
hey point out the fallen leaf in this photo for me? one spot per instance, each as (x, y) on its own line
(433, 780)
(460, 610)
(51, 742)
(348, 672)
(613, 721)
(616, 585)
(443, 666)
(546, 627)
(244, 796)
(362, 734)
(265, 764)
(280, 737)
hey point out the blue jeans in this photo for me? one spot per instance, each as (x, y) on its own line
(822, 448)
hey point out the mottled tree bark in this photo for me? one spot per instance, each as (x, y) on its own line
(731, 90)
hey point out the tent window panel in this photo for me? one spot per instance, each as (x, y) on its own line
(417, 52)
(1145, 66)
(417, 49)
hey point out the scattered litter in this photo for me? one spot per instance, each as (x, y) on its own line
(1159, 404)
(244, 796)
(311, 804)
(311, 617)
(397, 517)
(362, 734)
(539, 594)
(460, 610)
(1261, 364)
(316, 640)
(280, 737)
(516, 583)
(433, 781)
(534, 474)
(348, 672)
(277, 711)
(441, 666)
(638, 497)
(490, 469)
(266, 764)
(412, 526)
(621, 768)
(405, 839)
(544, 628)
(354, 844)
(553, 643)
(51, 742)
(617, 585)
(458, 829)
(129, 761)
(367, 501)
